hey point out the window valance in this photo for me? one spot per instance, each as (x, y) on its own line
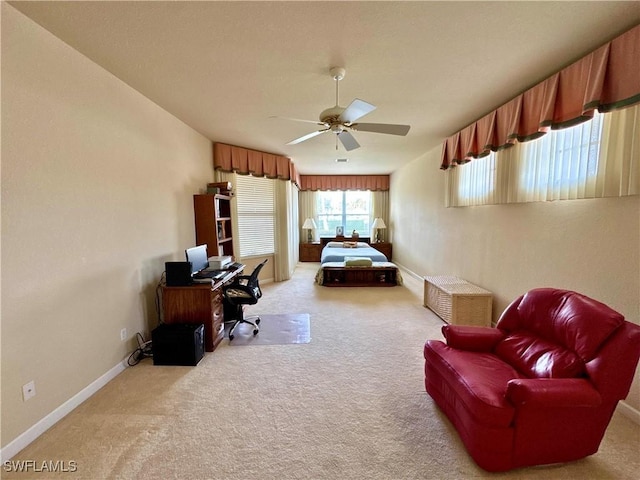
(344, 182)
(231, 158)
(606, 79)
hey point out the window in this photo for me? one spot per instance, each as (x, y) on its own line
(256, 215)
(349, 209)
(584, 161)
(561, 161)
(476, 180)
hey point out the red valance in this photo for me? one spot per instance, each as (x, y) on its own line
(344, 182)
(606, 79)
(231, 158)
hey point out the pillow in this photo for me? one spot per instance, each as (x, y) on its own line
(334, 244)
(350, 244)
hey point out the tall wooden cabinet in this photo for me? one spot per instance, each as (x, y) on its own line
(213, 223)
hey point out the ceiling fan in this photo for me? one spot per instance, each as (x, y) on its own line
(340, 120)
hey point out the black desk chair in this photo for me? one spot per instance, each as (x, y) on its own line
(245, 290)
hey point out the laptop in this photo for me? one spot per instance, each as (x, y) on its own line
(200, 270)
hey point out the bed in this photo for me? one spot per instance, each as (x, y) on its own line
(355, 264)
(338, 251)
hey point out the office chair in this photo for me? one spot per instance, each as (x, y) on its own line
(245, 290)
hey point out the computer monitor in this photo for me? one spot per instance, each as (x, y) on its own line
(198, 258)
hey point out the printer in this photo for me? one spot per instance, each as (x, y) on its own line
(220, 263)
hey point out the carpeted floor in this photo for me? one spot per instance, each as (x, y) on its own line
(350, 404)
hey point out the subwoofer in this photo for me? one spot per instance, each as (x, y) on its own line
(177, 344)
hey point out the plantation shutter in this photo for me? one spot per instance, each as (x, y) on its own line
(255, 202)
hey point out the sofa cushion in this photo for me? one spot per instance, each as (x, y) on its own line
(564, 318)
(535, 308)
(478, 379)
(576, 326)
(538, 358)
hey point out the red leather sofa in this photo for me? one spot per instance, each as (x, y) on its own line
(541, 387)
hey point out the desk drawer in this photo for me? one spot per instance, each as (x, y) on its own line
(217, 311)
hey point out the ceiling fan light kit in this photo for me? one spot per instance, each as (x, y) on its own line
(340, 120)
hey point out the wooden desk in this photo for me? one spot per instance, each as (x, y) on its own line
(199, 303)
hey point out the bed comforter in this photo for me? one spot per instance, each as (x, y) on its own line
(336, 252)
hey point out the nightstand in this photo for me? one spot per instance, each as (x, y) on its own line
(385, 248)
(310, 252)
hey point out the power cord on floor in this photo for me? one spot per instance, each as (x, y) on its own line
(144, 350)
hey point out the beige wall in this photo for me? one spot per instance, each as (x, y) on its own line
(96, 196)
(590, 246)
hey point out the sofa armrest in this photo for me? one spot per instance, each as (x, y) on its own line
(471, 338)
(553, 392)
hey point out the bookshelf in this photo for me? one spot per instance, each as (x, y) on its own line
(212, 215)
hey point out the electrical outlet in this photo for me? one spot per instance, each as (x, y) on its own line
(28, 390)
(123, 334)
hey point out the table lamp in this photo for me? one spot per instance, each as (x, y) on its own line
(378, 224)
(309, 225)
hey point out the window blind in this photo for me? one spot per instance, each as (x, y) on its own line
(594, 159)
(255, 200)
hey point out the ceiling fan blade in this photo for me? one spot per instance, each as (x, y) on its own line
(389, 128)
(348, 141)
(307, 136)
(315, 122)
(356, 109)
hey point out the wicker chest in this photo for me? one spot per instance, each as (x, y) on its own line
(457, 301)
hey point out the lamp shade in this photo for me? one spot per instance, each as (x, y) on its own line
(378, 223)
(309, 224)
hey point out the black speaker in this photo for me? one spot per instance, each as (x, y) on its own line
(178, 274)
(177, 344)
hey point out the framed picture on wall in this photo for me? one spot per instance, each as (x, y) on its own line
(340, 231)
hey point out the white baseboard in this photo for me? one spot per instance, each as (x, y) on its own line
(409, 272)
(16, 445)
(628, 411)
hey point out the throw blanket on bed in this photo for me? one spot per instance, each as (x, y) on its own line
(357, 262)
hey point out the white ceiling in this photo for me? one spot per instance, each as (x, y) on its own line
(225, 67)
